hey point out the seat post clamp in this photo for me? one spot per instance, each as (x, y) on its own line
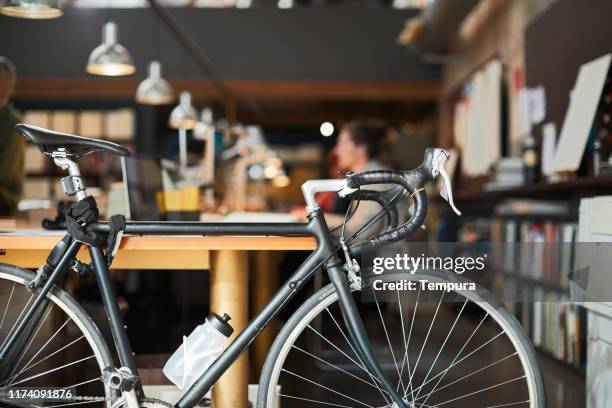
(72, 185)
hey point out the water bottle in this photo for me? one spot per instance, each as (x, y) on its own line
(198, 351)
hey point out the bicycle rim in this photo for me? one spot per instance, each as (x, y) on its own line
(444, 366)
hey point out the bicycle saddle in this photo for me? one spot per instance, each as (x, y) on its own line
(49, 141)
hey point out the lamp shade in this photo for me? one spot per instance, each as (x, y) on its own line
(205, 128)
(110, 58)
(207, 116)
(184, 116)
(154, 90)
(33, 9)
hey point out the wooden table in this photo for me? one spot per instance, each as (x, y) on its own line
(226, 257)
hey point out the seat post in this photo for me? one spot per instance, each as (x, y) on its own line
(72, 183)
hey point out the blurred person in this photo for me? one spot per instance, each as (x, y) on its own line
(12, 146)
(359, 148)
(329, 201)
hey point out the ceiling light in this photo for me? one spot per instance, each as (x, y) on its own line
(270, 171)
(243, 4)
(281, 180)
(326, 129)
(205, 128)
(33, 9)
(256, 172)
(154, 90)
(110, 58)
(184, 116)
(274, 161)
(207, 116)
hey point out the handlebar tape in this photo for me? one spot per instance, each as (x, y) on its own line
(413, 181)
(384, 198)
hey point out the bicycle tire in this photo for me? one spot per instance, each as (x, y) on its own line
(326, 296)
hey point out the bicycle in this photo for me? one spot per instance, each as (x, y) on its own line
(396, 373)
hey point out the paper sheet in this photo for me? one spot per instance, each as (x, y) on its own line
(581, 113)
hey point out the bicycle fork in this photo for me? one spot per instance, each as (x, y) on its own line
(356, 329)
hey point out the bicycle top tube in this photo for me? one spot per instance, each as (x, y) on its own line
(211, 228)
(310, 228)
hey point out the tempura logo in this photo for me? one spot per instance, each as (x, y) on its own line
(411, 264)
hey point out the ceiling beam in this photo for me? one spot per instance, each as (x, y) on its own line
(243, 90)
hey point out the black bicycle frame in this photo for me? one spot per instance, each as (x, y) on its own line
(325, 256)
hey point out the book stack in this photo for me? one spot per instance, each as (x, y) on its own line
(538, 250)
(533, 261)
(508, 174)
(557, 326)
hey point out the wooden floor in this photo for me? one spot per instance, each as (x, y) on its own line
(565, 387)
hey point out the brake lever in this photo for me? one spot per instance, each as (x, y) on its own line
(447, 191)
(441, 156)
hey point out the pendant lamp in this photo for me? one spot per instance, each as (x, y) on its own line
(110, 58)
(154, 90)
(184, 115)
(32, 9)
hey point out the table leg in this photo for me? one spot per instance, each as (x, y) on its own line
(265, 278)
(229, 284)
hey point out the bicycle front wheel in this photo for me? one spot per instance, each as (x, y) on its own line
(470, 352)
(61, 362)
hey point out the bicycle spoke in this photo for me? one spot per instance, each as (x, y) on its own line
(343, 335)
(334, 366)
(375, 380)
(382, 320)
(466, 376)
(40, 325)
(481, 390)
(49, 340)
(18, 317)
(509, 404)
(407, 345)
(315, 401)
(54, 353)
(337, 348)
(7, 305)
(49, 371)
(81, 383)
(327, 388)
(453, 362)
(28, 365)
(426, 337)
(483, 345)
(462, 359)
(442, 347)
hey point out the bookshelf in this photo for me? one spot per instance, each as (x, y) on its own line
(529, 269)
(580, 187)
(558, 328)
